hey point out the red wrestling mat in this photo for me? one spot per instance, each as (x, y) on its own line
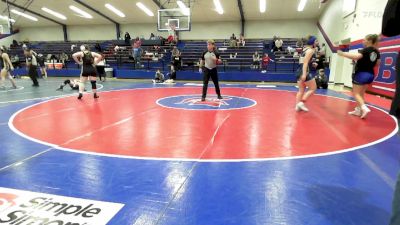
(374, 99)
(172, 123)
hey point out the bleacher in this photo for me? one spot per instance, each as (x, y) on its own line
(123, 59)
(281, 69)
(240, 58)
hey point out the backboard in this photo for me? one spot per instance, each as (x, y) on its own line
(173, 19)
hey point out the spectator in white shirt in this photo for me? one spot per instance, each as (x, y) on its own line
(278, 44)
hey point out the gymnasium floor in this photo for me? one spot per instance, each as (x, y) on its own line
(156, 155)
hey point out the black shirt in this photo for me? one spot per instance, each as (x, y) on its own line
(368, 61)
(207, 56)
(87, 58)
(391, 19)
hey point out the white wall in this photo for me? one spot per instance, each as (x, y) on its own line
(92, 32)
(53, 33)
(220, 30)
(140, 30)
(366, 19)
(282, 28)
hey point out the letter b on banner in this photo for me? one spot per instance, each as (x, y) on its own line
(387, 70)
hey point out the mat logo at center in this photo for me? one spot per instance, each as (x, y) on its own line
(24, 207)
(195, 102)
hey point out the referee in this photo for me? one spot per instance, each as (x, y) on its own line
(31, 64)
(208, 65)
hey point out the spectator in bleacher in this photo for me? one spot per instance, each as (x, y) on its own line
(171, 34)
(319, 60)
(15, 61)
(176, 58)
(241, 40)
(137, 43)
(278, 44)
(116, 49)
(232, 41)
(299, 43)
(159, 77)
(63, 59)
(98, 48)
(272, 44)
(137, 52)
(100, 68)
(15, 43)
(40, 62)
(157, 49)
(31, 65)
(256, 60)
(127, 38)
(152, 36)
(265, 62)
(73, 46)
(290, 50)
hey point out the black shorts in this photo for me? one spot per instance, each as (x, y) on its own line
(100, 70)
(300, 72)
(88, 70)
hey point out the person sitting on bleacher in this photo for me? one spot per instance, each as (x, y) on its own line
(241, 40)
(171, 34)
(299, 43)
(278, 44)
(15, 61)
(63, 58)
(232, 41)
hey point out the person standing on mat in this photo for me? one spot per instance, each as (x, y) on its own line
(366, 59)
(31, 64)
(88, 60)
(208, 66)
(304, 77)
(390, 27)
(6, 66)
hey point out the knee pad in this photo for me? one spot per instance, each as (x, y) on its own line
(93, 82)
(67, 81)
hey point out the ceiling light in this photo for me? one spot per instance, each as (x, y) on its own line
(115, 10)
(218, 7)
(56, 14)
(145, 9)
(263, 6)
(24, 15)
(185, 10)
(80, 12)
(301, 6)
